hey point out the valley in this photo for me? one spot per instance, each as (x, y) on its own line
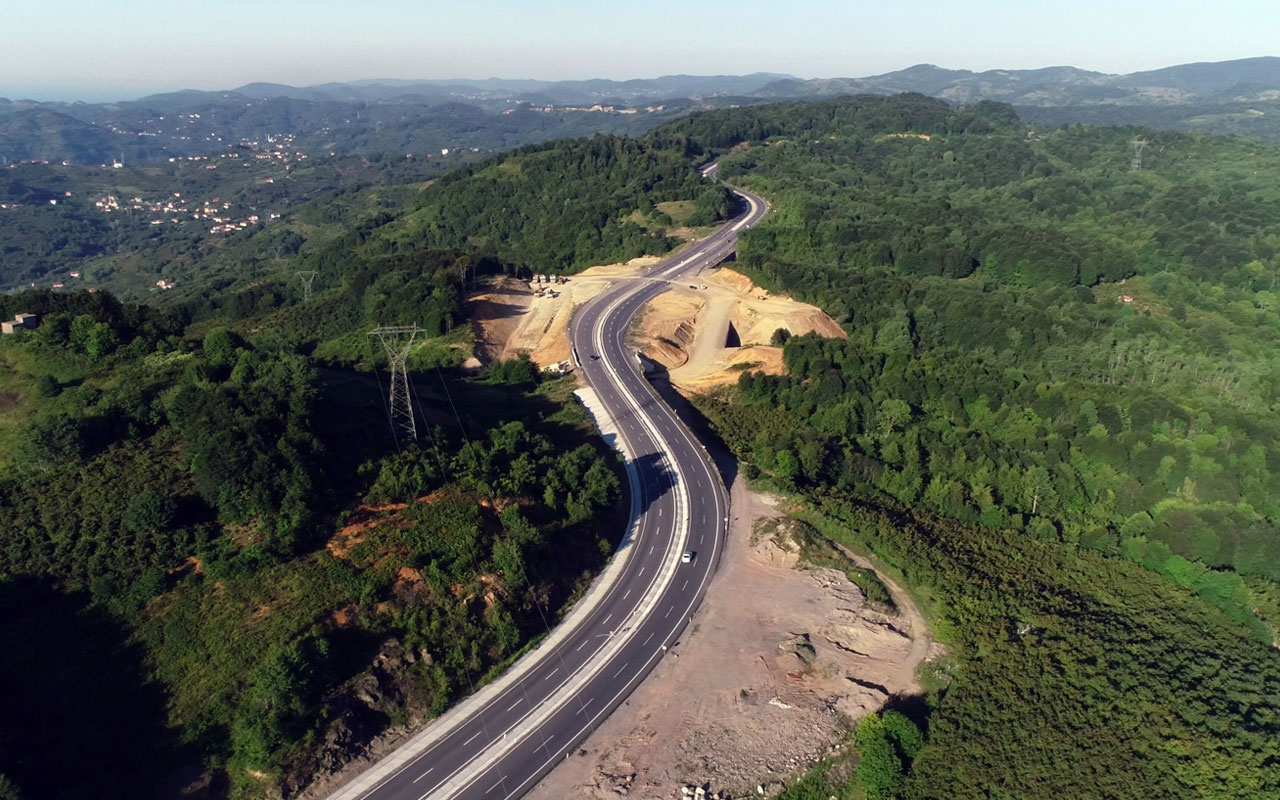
(995, 400)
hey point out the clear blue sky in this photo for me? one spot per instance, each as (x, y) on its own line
(77, 49)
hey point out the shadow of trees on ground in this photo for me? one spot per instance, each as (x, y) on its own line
(78, 719)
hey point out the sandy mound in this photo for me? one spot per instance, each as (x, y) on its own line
(511, 316)
(706, 337)
(723, 329)
(496, 314)
(668, 327)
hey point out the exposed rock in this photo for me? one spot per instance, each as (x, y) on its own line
(862, 697)
(800, 645)
(741, 708)
(361, 711)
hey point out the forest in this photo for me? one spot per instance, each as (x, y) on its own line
(1053, 417)
(240, 213)
(554, 208)
(215, 546)
(1054, 414)
(563, 207)
(1048, 339)
(210, 484)
(244, 211)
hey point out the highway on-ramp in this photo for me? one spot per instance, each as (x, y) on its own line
(497, 744)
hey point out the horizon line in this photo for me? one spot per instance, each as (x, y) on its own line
(117, 94)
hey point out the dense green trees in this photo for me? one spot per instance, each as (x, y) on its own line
(186, 487)
(279, 703)
(1029, 439)
(518, 371)
(1083, 672)
(879, 768)
(559, 207)
(910, 184)
(250, 450)
(1011, 398)
(1007, 448)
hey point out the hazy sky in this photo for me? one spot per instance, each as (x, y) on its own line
(93, 50)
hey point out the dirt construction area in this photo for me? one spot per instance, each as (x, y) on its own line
(698, 331)
(514, 317)
(781, 659)
(776, 667)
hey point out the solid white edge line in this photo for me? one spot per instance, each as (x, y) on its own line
(510, 679)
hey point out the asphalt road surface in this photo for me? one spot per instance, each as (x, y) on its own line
(500, 743)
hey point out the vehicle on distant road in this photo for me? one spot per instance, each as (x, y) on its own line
(688, 557)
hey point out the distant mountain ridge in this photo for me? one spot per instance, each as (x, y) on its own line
(371, 117)
(379, 117)
(1204, 82)
(1201, 81)
(591, 90)
(1207, 82)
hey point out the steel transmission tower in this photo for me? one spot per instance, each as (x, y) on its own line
(397, 340)
(307, 279)
(1138, 146)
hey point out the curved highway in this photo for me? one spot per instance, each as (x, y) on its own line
(497, 744)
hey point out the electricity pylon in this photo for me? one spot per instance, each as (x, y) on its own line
(1138, 146)
(397, 340)
(307, 278)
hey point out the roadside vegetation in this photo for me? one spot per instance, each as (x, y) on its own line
(1054, 415)
(251, 552)
(273, 580)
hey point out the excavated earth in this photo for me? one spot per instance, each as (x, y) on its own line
(705, 333)
(779, 664)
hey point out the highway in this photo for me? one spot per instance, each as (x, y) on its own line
(499, 743)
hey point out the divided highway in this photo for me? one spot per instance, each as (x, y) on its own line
(499, 743)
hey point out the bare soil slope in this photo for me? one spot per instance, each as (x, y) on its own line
(704, 332)
(707, 336)
(512, 316)
(779, 663)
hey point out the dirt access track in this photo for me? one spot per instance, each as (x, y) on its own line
(780, 659)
